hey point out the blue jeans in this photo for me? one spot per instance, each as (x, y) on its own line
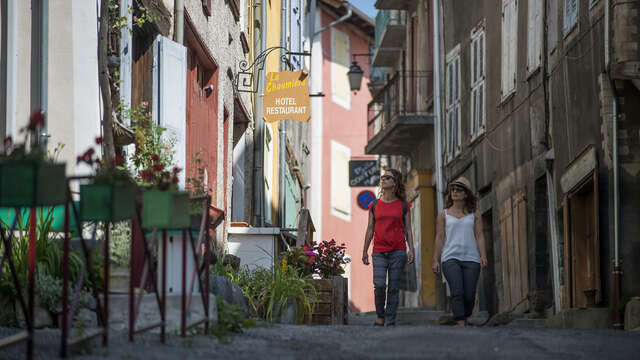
(462, 277)
(387, 264)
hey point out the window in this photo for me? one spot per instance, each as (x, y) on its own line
(509, 46)
(340, 190)
(570, 16)
(339, 68)
(477, 81)
(452, 123)
(534, 36)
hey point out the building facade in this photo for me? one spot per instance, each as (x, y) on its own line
(530, 95)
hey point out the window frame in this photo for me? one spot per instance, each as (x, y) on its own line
(478, 34)
(453, 105)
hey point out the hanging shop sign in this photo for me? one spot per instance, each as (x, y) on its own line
(364, 173)
(286, 96)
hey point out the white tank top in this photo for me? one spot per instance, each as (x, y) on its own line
(459, 239)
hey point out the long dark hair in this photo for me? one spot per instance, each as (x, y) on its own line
(400, 190)
(470, 201)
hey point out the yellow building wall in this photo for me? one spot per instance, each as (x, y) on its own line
(274, 25)
(420, 181)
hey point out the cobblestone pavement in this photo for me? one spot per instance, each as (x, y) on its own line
(358, 341)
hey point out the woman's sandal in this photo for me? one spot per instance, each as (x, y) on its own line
(376, 323)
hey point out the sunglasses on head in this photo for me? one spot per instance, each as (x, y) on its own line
(386, 177)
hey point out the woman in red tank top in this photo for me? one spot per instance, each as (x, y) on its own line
(389, 226)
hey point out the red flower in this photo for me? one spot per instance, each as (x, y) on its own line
(155, 157)
(79, 159)
(36, 120)
(158, 167)
(175, 180)
(176, 170)
(145, 175)
(118, 160)
(99, 140)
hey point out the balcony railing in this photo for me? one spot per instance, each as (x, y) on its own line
(406, 94)
(386, 18)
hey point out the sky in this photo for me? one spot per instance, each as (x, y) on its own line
(366, 6)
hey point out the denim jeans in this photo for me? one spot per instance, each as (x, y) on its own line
(462, 277)
(387, 264)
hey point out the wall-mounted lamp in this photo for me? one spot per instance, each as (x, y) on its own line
(355, 73)
(209, 89)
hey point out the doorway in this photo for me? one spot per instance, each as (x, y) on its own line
(488, 294)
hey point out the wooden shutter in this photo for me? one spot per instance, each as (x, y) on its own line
(509, 45)
(553, 24)
(505, 239)
(340, 190)
(534, 35)
(520, 246)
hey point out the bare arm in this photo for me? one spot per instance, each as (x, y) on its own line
(409, 232)
(367, 239)
(479, 233)
(439, 242)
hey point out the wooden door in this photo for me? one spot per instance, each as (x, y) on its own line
(513, 237)
(584, 245)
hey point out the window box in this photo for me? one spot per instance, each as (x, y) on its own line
(108, 202)
(165, 209)
(32, 183)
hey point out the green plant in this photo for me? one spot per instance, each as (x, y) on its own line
(105, 173)
(196, 185)
(48, 262)
(150, 141)
(331, 257)
(120, 243)
(230, 319)
(301, 259)
(287, 284)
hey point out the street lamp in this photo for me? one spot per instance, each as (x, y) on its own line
(355, 76)
(355, 73)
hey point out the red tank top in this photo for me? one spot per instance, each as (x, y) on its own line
(388, 233)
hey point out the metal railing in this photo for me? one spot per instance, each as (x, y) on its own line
(406, 93)
(385, 18)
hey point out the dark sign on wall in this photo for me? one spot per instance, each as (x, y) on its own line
(364, 173)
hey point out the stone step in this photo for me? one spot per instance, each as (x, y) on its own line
(408, 316)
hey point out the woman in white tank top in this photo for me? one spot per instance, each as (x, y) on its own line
(460, 246)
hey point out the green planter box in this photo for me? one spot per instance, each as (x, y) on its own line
(29, 183)
(165, 209)
(108, 202)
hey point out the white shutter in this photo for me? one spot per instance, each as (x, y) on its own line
(509, 46)
(340, 190)
(534, 35)
(237, 188)
(570, 15)
(169, 96)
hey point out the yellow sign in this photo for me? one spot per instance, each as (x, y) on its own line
(286, 96)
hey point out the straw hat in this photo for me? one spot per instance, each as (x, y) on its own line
(462, 181)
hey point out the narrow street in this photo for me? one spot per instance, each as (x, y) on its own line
(360, 340)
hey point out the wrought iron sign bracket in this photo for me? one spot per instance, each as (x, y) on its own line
(245, 79)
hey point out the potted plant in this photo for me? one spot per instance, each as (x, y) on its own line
(27, 176)
(163, 205)
(111, 195)
(332, 302)
(196, 185)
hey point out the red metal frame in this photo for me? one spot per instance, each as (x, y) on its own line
(102, 312)
(28, 308)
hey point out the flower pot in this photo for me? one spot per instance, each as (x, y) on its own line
(332, 304)
(108, 202)
(32, 183)
(287, 315)
(118, 279)
(165, 209)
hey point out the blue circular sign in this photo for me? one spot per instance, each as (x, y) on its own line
(365, 198)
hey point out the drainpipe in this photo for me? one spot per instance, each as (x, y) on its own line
(617, 272)
(281, 126)
(179, 24)
(345, 17)
(39, 64)
(258, 144)
(436, 105)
